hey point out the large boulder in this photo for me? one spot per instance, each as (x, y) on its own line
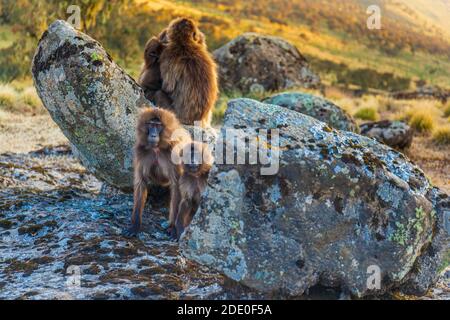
(315, 107)
(254, 62)
(93, 101)
(395, 134)
(341, 208)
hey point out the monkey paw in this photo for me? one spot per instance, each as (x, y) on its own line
(172, 231)
(130, 233)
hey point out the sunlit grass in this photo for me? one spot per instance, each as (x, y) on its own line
(441, 135)
(367, 113)
(421, 122)
(8, 97)
(22, 100)
(447, 110)
(30, 97)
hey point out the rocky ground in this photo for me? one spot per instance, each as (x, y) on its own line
(55, 223)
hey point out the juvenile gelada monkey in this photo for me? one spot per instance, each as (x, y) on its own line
(196, 164)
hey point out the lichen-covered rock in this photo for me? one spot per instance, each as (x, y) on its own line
(254, 62)
(341, 207)
(395, 134)
(315, 107)
(93, 101)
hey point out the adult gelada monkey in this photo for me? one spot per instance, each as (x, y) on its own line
(158, 134)
(189, 73)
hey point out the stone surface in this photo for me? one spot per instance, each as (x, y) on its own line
(424, 92)
(315, 107)
(395, 134)
(254, 62)
(93, 101)
(340, 206)
(56, 226)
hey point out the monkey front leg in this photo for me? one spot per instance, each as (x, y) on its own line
(175, 198)
(185, 214)
(140, 197)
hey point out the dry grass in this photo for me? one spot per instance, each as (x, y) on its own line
(24, 132)
(30, 97)
(441, 136)
(8, 97)
(421, 122)
(433, 159)
(20, 98)
(447, 110)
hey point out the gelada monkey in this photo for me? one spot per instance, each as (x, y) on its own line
(150, 78)
(189, 73)
(196, 161)
(158, 136)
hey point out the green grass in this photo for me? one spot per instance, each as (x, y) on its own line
(7, 37)
(367, 113)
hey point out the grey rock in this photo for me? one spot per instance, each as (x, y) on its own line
(395, 134)
(256, 63)
(94, 102)
(315, 107)
(340, 205)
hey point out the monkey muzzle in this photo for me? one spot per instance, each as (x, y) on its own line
(153, 135)
(193, 167)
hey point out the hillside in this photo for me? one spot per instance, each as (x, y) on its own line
(412, 45)
(435, 13)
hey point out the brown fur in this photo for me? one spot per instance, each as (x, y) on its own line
(191, 185)
(154, 164)
(189, 73)
(150, 78)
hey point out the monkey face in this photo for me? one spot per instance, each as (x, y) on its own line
(197, 158)
(153, 50)
(154, 129)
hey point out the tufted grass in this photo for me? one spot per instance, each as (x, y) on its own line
(8, 97)
(20, 98)
(422, 122)
(447, 110)
(441, 135)
(367, 113)
(30, 97)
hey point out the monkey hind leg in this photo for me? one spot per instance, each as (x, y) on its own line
(140, 197)
(186, 212)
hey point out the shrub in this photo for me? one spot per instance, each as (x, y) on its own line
(367, 113)
(30, 97)
(447, 111)
(442, 136)
(8, 97)
(421, 122)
